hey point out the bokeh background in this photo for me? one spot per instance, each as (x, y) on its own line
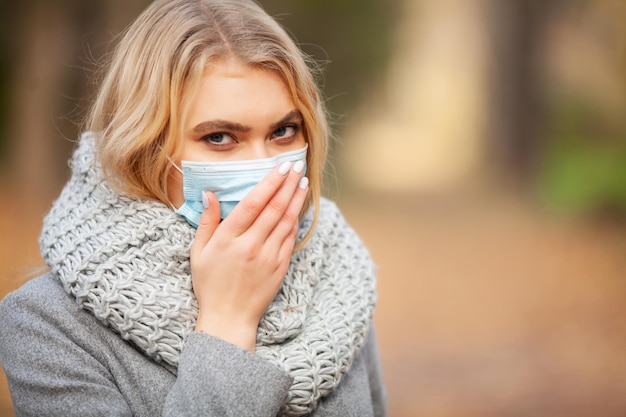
(480, 152)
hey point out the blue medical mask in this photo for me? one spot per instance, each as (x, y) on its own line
(230, 181)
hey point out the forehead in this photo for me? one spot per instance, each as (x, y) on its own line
(231, 90)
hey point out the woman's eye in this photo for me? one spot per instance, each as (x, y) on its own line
(218, 139)
(285, 132)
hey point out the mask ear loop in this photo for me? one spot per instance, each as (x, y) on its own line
(179, 170)
(174, 164)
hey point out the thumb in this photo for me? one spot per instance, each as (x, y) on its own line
(209, 220)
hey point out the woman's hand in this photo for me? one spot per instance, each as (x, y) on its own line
(238, 265)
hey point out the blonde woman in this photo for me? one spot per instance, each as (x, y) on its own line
(194, 267)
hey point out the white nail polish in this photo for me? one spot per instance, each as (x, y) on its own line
(298, 166)
(205, 200)
(284, 168)
(304, 182)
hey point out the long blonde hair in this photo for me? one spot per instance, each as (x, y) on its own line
(144, 97)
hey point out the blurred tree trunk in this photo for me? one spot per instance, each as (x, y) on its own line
(514, 134)
(58, 45)
(38, 73)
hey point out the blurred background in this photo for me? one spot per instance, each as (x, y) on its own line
(480, 152)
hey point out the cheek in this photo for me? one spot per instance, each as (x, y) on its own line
(175, 188)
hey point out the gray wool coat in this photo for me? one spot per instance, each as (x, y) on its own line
(61, 361)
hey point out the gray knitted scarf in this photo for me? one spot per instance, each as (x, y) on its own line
(126, 261)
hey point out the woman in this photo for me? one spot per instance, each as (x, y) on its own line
(194, 267)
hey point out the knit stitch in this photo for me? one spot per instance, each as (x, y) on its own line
(126, 261)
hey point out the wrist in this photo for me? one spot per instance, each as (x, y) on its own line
(237, 333)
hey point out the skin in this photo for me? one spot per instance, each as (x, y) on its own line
(238, 265)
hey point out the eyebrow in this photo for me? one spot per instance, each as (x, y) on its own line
(291, 117)
(209, 125)
(220, 125)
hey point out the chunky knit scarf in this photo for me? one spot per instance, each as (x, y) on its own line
(126, 261)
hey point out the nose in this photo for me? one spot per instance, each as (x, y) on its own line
(259, 149)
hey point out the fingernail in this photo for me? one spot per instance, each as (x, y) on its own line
(205, 200)
(298, 166)
(304, 182)
(284, 168)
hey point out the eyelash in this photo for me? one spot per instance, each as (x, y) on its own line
(207, 138)
(295, 128)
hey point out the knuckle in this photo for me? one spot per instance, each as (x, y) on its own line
(249, 250)
(290, 218)
(251, 205)
(204, 222)
(277, 204)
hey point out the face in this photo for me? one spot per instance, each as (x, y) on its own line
(238, 113)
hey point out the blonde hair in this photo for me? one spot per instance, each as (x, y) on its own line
(145, 94)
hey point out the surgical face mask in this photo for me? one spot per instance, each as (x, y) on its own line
(230, 181)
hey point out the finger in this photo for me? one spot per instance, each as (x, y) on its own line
(209, 220)
(290, 218)
(275, 210)
(286, 250)
(248, 209)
